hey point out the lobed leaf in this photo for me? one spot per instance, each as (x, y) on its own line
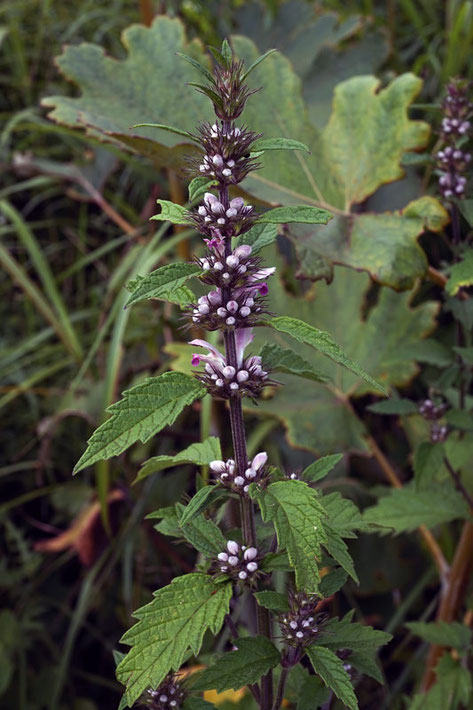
(298, 518)
(321, 341)
(461, 274)
(143, 411)
(169, 626)
(200, 454)
(254, 658)
(330, 668)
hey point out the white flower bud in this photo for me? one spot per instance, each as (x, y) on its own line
(226, 276)
(230, 163)
(221, 220)
(250, 554)
(217, 466)
(163, 698)
(227, 172)
(233, 561)
(214, 298)
(252, 567)
(300, 635)
(242, 575)
(305, 624)
(242, 376)
(207, 219)
(219, 383)
(239, 481)
(233, 385)
(230, 321)
(209, 198)
(228, 372)
(232, 306)
(233, 547)
(293, 624)
(202, 210)
(231, 212)
(204, 309)
(245, 311)
(259, 460)
(208, 369)
(237, 203)
(222, 312)
(232, 261)
(243, 251)
(218, 266)
(217, 160)
(250, 473)
(217, 207)
(222, 556)
(250, 302)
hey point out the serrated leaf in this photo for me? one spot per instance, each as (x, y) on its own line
(313, 693)
(161, 282)
(344, 516)
(332, 582)
(143, 411)
(198, 186)
(330, 669)
(276, 562)
(298, 518)
(319, 469)
(278, 144)
(117, 94)
(259, 236)
(441, 633)
(169, 626)
(452, 689)
(170, 212)
(461, 274)
(322, 342)
(204, 498)
(321, 418)
(254, 658)
(280, 359)
(404, 509)
(272, 600)
(204, 535)
(338, 549)
(302, 214)
(200, 454)
(362, 640)
(393, 406)
(428, 462)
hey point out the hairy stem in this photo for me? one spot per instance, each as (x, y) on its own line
(281, 687)
(458, 481)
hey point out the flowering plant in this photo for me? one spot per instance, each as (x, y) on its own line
(299, 531)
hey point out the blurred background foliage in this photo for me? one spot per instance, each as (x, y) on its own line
(75, 202)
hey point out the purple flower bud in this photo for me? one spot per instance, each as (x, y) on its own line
(214, 298)
(237, 203)
(195, 360)
(232, 306)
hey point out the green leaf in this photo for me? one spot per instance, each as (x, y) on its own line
(278, 144)
(429, 351)
(453, 634)
(197, 65)
(171, 129)
(254, 658)
(460, 419)
(466, 354)
(298, 518)
(259, 236)
(338, 549)
(319, 469)
(313, 694)
(170, 212)
(428, 462)
(466, 208)
(362, 640)
(192, 702)
(199, 454)
(461, 274)
(332, 582)
(276, 562)
(330, 668)
(161, 282)
(257, 61)
(204, 498)
(303, 214)
(198, 186)
(321, 341)
(393, 406)
(281, 359)
(226, 51)
(204, 535)
(452, 690)
(114, 94)
(272, 600)
(169, 626)
(143, 411)
(404, 509)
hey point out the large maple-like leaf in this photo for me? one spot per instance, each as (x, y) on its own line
(150, 84)
(320, 416)
(359, 150)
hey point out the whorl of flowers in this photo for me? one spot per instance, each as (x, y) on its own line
(303, 623)
(169, 695)
(453, 160)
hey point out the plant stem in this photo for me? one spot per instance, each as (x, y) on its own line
(281, 687)
(458, 482)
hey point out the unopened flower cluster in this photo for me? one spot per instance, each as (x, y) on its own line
(169, 695)
(453, 160)
(228, 475)
(301, 625)
(240, 563)
(433, 412)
